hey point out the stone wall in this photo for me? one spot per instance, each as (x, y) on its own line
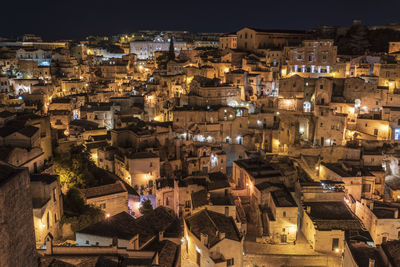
(17, 246)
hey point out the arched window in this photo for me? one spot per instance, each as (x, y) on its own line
(307, 106)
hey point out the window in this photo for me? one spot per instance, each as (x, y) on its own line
(375, 131)
(54, 195)
(103, 206)
(366, 188)
(284, 214)
(335, 243)
(97, 243)
(230, 262)
(187, 204)
(151, 164)
(397, 134)
(87, 242)
(321, 86)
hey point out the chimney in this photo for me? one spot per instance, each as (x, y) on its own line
(115, 241)
(221, 235)
(156, 260)
(396, 213)
(371, 262)
(308, 209)
(204, 239)
(161, 235)
(49, 244)
(371, 205)
(134, 243)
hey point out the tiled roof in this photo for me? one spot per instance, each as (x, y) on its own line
(43, 177)
(104, 190)
(211, 223)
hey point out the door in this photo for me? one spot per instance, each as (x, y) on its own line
(198, 258)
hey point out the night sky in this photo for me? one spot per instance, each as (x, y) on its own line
(76, 19)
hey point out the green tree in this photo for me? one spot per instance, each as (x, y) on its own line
(146, 207)
(380, 38)
(77, 213)
(355, 42)
(74, 168)
(73, 202)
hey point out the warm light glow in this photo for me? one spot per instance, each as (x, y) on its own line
(158, 118)
(189, 79)
(226, 70)
(385, 128)
(288, 102)
(108, 215)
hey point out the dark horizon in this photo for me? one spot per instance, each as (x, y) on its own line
(76, 19)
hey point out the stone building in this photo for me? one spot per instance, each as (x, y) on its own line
(380, 218)
(47, 206)
(113, 198)
(211, 238)
(252, 39)
(17, 231)
(313, 58)
(228, 40)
